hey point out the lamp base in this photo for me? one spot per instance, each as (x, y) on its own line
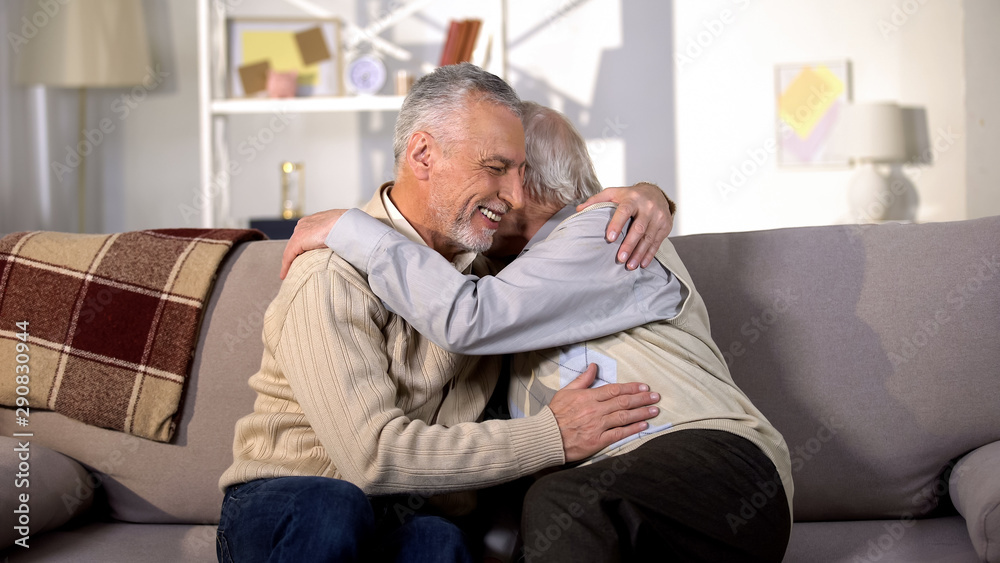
(874, 197)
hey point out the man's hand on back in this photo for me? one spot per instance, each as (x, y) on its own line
(593, 419)
(310, 234)
(654, 219)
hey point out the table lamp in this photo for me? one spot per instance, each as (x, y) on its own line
(92, 44)
(875, 136)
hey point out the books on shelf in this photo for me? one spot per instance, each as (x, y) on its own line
(461, 41)
(450, 47)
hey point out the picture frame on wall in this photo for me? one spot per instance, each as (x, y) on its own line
(283, 57)
(810, 99)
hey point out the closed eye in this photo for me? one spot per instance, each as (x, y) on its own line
(496, 165)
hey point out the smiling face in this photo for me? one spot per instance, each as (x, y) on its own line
(519, 226)
(479, 178)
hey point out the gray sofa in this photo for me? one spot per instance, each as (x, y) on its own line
(874, 350)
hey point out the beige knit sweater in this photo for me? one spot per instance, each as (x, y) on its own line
(348, 390)
(676, 357)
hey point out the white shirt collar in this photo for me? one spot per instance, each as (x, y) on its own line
(462, 260)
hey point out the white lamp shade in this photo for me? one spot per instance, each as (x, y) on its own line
(874, 132)
(88, 43)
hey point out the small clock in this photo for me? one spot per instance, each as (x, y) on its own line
(366, 74)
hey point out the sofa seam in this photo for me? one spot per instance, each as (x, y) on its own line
(986, 551)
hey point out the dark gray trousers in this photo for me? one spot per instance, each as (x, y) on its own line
(689, 495)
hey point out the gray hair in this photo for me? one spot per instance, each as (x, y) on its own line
(436, 102)
(559, 167)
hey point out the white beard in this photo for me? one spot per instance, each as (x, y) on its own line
(460, 230)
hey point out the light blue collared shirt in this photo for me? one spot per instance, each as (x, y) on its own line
(564, 288)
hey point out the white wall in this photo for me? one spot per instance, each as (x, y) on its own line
(607, 64)
(726, 102)
(982, 71)
(149, 164)
(604, 62)
(932, 74)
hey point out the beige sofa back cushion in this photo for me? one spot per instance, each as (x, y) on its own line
(873, 349)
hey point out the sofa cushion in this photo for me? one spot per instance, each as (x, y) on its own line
(177, 482)
(975, 490)
(934, 540)
(57, 489)
(873, 349)
(109, 542)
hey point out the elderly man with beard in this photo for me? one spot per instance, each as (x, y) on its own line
(673, 492)
(354, 406)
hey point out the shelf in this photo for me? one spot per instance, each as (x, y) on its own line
(214, 109)
(307, 105)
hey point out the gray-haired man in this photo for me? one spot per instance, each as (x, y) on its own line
(354, 405)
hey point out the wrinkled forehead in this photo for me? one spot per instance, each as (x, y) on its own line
(492, 129)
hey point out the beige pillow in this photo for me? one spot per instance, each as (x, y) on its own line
(57, 488)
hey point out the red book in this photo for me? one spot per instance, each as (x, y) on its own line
(448, 54)
(463, 33)
(470, 40)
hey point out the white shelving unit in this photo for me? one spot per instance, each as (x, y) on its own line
(308, 105)
(215, 108)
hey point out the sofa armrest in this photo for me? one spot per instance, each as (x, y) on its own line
(975, 491)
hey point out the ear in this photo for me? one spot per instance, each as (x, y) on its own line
(420, 154)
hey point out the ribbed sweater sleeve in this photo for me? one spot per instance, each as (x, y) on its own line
(332, 350)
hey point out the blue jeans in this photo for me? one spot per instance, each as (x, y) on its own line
(322, 519)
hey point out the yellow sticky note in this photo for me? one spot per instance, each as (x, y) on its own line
(806, 100)
(282, 50)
